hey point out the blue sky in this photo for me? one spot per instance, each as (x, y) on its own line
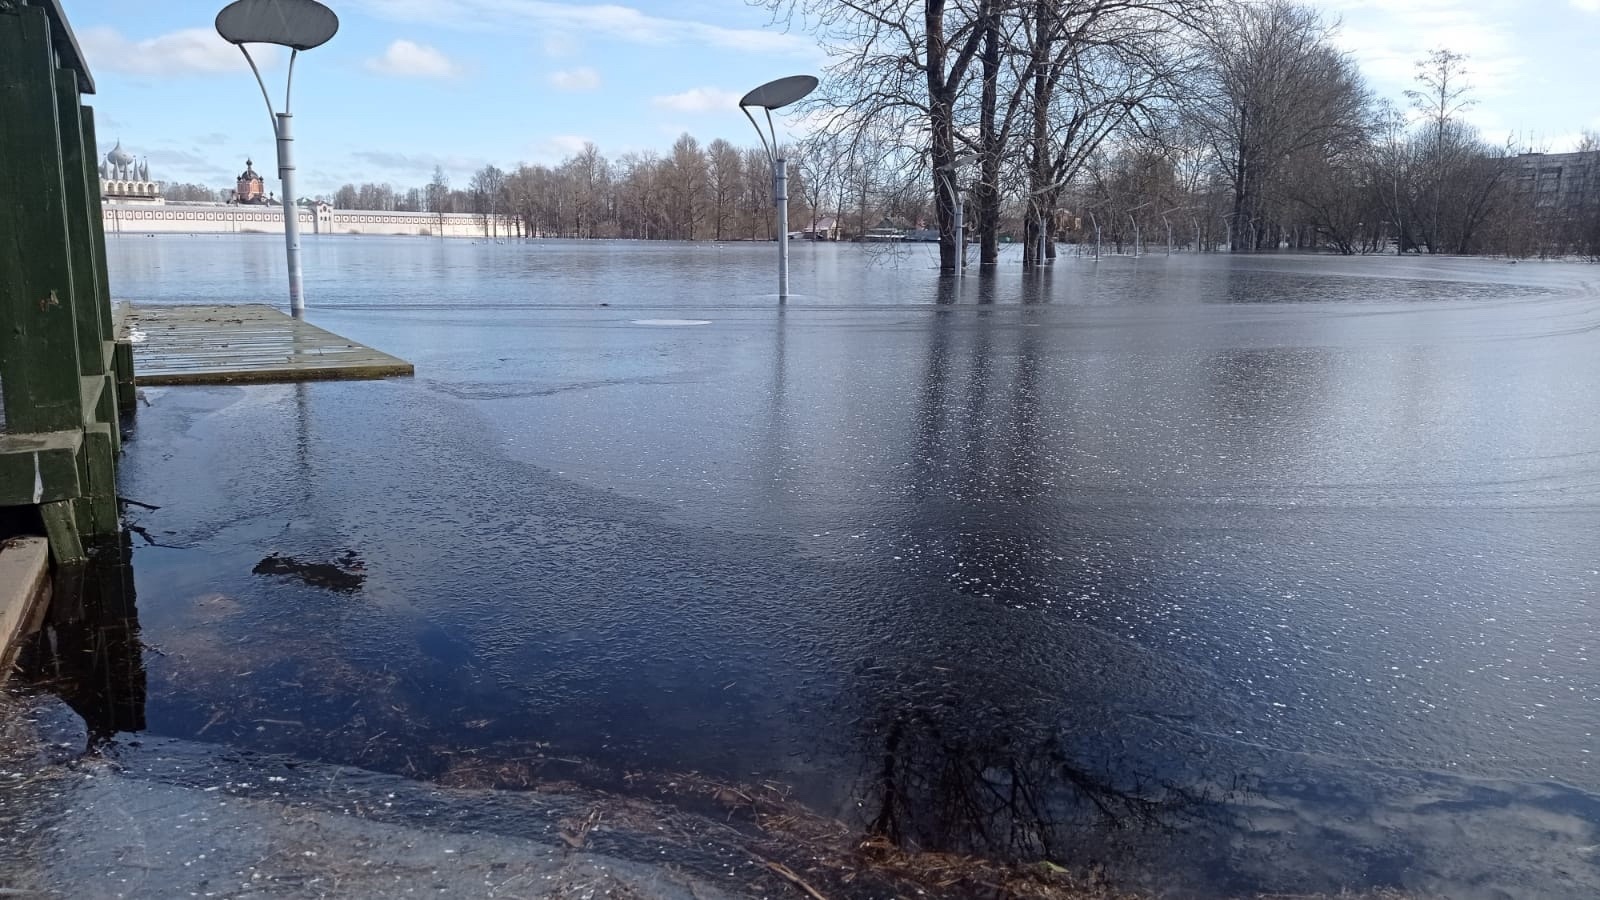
(408, 84)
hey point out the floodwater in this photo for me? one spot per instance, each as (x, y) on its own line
(1221, 575)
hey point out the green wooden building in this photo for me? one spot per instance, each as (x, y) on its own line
(63, 378)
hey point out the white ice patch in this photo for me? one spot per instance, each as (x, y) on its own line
(672, 322)
(135, 336)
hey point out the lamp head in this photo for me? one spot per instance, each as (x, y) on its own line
(779, 93)
(296, 24)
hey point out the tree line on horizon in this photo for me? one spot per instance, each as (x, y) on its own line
(1209, 124)
(715, 192)
(1224, 124)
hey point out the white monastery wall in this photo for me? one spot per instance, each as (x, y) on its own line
(174, 218)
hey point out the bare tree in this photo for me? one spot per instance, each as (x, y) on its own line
(487, 189)
(1098, 69)
(1440, 97)
(900, 66)
(438, 195)
(638, 196)
(1281, 89)
(684, 178)
(183, 191)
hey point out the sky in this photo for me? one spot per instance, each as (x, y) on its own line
(410, 84)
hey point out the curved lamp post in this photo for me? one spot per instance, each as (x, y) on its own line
(770, 96)
(953, 192)
(1168, 222)
(298, 25)
(1095, 221)
(1038, 214)
(1135, 223)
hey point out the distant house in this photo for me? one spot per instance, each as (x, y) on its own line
(1561, 182)
(1561, 193)
(825, 229)
(886, 230)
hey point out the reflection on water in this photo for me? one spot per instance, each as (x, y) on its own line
(88, 651)
(1127, 562)
(1002, 786)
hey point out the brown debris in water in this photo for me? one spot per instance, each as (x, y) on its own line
(345, 575)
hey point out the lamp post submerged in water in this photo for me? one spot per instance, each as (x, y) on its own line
(770, 96)
(953, 192)
(298, 25)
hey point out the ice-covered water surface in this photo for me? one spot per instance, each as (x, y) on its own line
(1228, 574)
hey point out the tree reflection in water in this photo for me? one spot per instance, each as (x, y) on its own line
(992, 785)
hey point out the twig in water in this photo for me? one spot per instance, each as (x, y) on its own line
(790, 876)
(218, 715)
(577, 842)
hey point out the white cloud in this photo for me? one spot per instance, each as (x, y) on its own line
(699, 100)
(407, 59)
(622, 23)
(186, 52)
(1392, 37)
(558, 45)
(1592, 6)
(582, 78)
(558, 147)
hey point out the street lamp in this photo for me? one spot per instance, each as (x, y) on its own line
(1034, 202)
(953, 192)
(1095, 220)
(298, 25)
(1168, 222)
(770, 96)
(1136, 225)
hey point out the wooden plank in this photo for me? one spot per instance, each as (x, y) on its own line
(75, 165)
(39, 468)
(61, 524)
(38, 346)
(98, 232)
(66, 44)
(127, 393)
(24, 587)
(90, 389)
(251, 343)
(97, 510)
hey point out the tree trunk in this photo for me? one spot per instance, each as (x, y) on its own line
(1039, 174)
(986, 192)
(941, 122)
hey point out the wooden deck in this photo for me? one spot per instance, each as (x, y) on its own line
(24, 590)
(255, 343)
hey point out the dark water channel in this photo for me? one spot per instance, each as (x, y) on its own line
(1227, 575)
